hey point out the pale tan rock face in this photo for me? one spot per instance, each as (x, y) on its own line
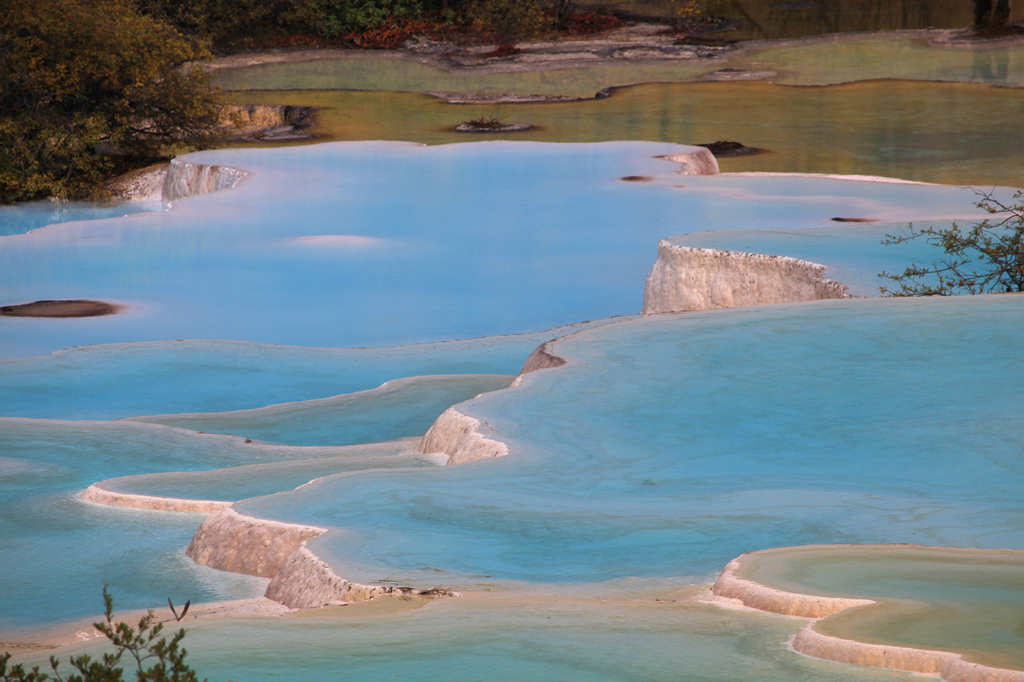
(685, 278)
(541, 358)
(764, 598)
(186, 179)
(699, 161)
(143, 183)
(458, 436)
(947, 665)
(230, 541)
(306, 582)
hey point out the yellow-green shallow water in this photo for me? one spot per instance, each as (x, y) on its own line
(919, 131)
(818, 61)
(968, 601)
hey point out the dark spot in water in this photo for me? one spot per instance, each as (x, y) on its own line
(60, 308)
(636, 178)
(855, 220)
(727, 148)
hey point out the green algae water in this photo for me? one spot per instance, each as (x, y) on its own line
(918, 131)
(962, 600)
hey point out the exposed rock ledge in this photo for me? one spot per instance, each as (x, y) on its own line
(698, 161)
(764, 598)
(686, 278)
(541, 358)
(186, 179)
(110, 498)
(175, 180)
(244, 544)
(457, 436)
(948, 665)
(306, 582)
(235, 542)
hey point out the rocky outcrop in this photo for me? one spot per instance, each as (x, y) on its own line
(307, 582)
(186, 179)
(947, 665)
(685, 278)
(268, 122)
(143, 183)
(698, 161)
(458, 436)
(110, 498)
(541, 358)
(233, 542)
(764, 598)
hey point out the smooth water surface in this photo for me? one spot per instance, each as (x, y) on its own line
(29, 215)
(671, 444)
(356, 244)
(398, 409)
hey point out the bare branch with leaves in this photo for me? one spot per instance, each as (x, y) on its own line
(156, 658)
(986, 257)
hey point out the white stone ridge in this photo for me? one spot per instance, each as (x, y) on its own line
(699, 161)
(457, 436)
(234, 542)
(99, 495)
(186, 179)
(947, 665)
(764, 598)
(685, 278)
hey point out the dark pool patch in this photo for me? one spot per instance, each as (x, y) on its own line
(636, 178)
(839, 219)
(62, 308)
(727, 148)
(491, 126)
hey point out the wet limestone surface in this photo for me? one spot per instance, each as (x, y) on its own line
(935, 598)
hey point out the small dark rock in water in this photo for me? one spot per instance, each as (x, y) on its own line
(636, 178)
(62, 308)
(491, 126)
(726, 148)
(855, 220)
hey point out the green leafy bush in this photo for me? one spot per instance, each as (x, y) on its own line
(156, 658)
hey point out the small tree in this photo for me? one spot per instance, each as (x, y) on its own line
(986, 257)
(156, 658)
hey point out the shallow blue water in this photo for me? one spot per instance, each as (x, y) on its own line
(21, 218)
(672, 444)
(57, 552)
(109, 382)
(399, 409)
(352, 244)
